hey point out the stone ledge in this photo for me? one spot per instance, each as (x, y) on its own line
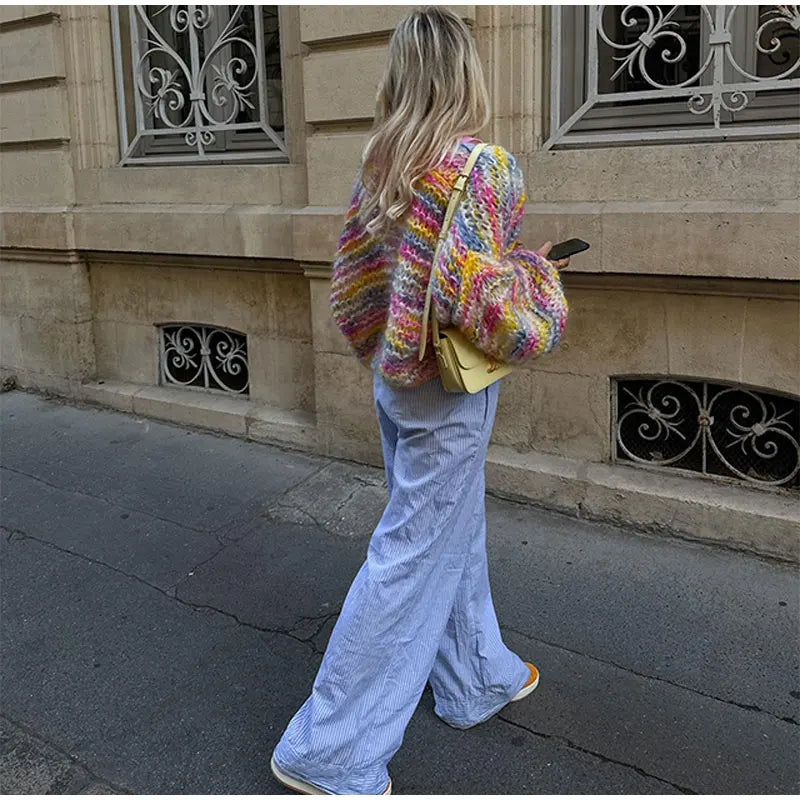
(753, 520)
(237, 416)
(623, 242)
(13, 17)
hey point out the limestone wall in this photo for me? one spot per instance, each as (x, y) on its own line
(130, 300)
(45, 320)
(693, 269)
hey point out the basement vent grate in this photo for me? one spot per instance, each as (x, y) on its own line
(204, 357)
(712, 428)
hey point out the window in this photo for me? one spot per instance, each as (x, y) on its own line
(203, 357)
(711, 428)
(656, 73)
(199, 83)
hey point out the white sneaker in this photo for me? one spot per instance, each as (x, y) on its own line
(303, 787)
(532, 683)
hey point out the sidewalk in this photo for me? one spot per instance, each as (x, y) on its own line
(167, 595)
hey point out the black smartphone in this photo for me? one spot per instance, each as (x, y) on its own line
(566, 249)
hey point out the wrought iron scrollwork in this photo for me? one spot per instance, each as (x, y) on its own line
(715, 59)
(664, 34)
(661, 32)
(204, 356)
(709, 428)
(199, 73)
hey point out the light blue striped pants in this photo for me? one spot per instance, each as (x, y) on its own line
(419, 609)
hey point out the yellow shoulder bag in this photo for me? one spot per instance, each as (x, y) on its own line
(463, 367)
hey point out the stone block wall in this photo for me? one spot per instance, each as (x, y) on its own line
(693, 270)
(45, 319)
(130, 302)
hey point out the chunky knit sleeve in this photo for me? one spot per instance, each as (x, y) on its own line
(508, 300)
(352, 280)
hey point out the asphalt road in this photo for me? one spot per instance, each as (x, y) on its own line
(167, 595)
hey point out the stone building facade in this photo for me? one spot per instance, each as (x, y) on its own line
(119, 227)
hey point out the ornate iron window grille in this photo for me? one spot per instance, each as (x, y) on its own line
(712, 428)
(198, 83)
(641, 73)
(203, 357)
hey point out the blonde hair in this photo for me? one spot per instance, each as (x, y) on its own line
(432, 92)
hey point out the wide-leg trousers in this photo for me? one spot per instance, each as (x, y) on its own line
(420, 607)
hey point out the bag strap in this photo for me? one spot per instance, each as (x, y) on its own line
(455, 197)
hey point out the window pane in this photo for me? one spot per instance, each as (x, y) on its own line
(200, 83)
(778, 43)
(666, 73)
(681, 43)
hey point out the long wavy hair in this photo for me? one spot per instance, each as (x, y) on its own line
(433, 91)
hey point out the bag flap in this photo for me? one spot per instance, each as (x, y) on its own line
(477, 379)
(468, 355)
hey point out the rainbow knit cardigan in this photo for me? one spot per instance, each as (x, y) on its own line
(509, 301)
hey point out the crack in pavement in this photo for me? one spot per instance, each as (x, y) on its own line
(243, 623)
(281, 495)
(322, 622)
(324, 618)
(608, 759)
(172, 591)
(276, 506)
(215, 532)
(378, 481)
(278, 502)
(100, 497)
(172, 594)
(92, 777)
(224, 543)
(364, 484)
(745, 706)
(197, 606)
(350, 496)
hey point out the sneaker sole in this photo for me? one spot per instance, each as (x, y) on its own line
(524, 692)
(303, 787)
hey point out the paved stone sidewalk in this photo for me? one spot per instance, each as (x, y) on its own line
(167, 595)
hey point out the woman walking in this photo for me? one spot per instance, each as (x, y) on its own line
(420, 608)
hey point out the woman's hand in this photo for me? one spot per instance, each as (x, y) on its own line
(545, 249)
